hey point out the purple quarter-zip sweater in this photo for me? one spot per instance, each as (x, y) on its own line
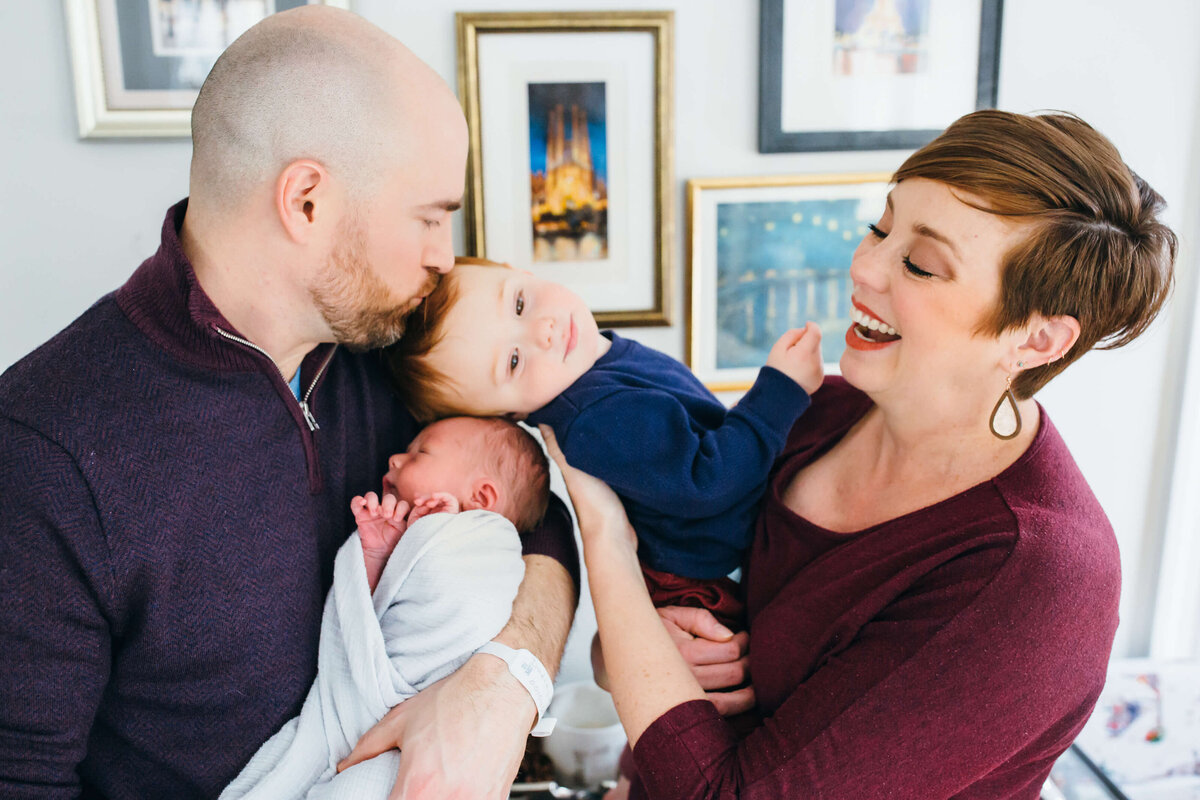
(170, 519)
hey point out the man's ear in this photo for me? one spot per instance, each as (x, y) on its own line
(485, 495)
(301, 195)
(1048, 339)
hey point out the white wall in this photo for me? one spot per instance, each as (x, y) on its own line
(77, 216)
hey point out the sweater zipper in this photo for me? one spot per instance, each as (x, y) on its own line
(304, 409)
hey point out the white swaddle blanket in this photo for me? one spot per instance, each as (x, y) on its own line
(446, 590)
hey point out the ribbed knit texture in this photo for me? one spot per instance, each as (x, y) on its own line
(689, 471)
(953, 652)
(170, 526)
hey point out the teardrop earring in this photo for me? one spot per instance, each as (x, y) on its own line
(1006, 418)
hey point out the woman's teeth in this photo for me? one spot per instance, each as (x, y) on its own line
(871, 323)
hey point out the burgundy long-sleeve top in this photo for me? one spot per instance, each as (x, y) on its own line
(168, 526)
(955, 651)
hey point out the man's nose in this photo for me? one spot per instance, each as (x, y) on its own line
(439, 256)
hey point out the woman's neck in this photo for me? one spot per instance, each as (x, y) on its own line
(891, 463)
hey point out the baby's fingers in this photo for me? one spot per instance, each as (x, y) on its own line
(400, 511)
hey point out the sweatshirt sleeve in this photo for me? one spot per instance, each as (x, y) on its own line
(644, 444)
(917, 705)
(555, 538)
(55, 643)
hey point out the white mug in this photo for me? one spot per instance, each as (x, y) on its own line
(588, 738)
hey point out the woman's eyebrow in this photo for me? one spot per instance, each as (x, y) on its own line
(922, 229)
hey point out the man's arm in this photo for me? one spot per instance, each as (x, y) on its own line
(464, 737)
(54, 639)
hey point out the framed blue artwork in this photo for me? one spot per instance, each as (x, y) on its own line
(767, 254)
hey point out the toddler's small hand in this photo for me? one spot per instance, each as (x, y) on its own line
(797, 354)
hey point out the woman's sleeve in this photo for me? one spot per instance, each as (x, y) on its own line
(917, 705)
(647, 448)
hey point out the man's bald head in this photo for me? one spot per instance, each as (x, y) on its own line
(317, 83)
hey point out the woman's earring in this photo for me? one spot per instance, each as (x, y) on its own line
(1006, 418)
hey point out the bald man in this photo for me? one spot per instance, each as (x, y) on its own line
(176, 466)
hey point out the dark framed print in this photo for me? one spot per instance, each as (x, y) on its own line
(872, 74)
(139, 64)
(766, 254)
(569, 172)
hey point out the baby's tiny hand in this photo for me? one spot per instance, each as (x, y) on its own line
(797, 354)
(436, 503)
(380, 523)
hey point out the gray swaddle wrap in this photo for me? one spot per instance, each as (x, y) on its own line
(446, 590)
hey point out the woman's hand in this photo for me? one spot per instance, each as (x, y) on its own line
(599, 511)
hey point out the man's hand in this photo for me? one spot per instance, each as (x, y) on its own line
(797, 354)
(461, 739)
(716, 655)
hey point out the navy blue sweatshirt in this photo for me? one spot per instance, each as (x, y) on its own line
(689, 471)
(169, 524)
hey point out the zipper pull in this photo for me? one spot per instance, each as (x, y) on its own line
(308, 417)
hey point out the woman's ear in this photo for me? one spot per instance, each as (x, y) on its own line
(300, 195)
(485, 495)
(1049, 339)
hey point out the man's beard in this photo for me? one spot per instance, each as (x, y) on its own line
(358, 307)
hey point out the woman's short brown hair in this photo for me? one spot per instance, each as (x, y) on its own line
(1097, 251)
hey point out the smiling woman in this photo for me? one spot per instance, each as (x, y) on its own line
(931, 599)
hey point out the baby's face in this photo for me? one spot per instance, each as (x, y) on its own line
(444, 457)
(513, 341)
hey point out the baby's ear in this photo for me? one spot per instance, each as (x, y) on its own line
(485, 495)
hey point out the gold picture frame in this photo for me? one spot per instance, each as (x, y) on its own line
(765, 254)
(598, 215)
(136, 74)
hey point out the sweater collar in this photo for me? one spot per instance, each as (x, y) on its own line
(165, 301)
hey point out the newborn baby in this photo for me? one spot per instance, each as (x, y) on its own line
(442, 561)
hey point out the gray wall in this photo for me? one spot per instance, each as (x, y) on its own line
(77, 215)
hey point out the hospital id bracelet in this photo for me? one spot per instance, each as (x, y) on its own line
(526, 668)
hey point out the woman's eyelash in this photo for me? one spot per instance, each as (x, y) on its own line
(909, 266)
(914, 270)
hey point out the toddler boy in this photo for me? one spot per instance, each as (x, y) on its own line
(492, 340)
(443, 563)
